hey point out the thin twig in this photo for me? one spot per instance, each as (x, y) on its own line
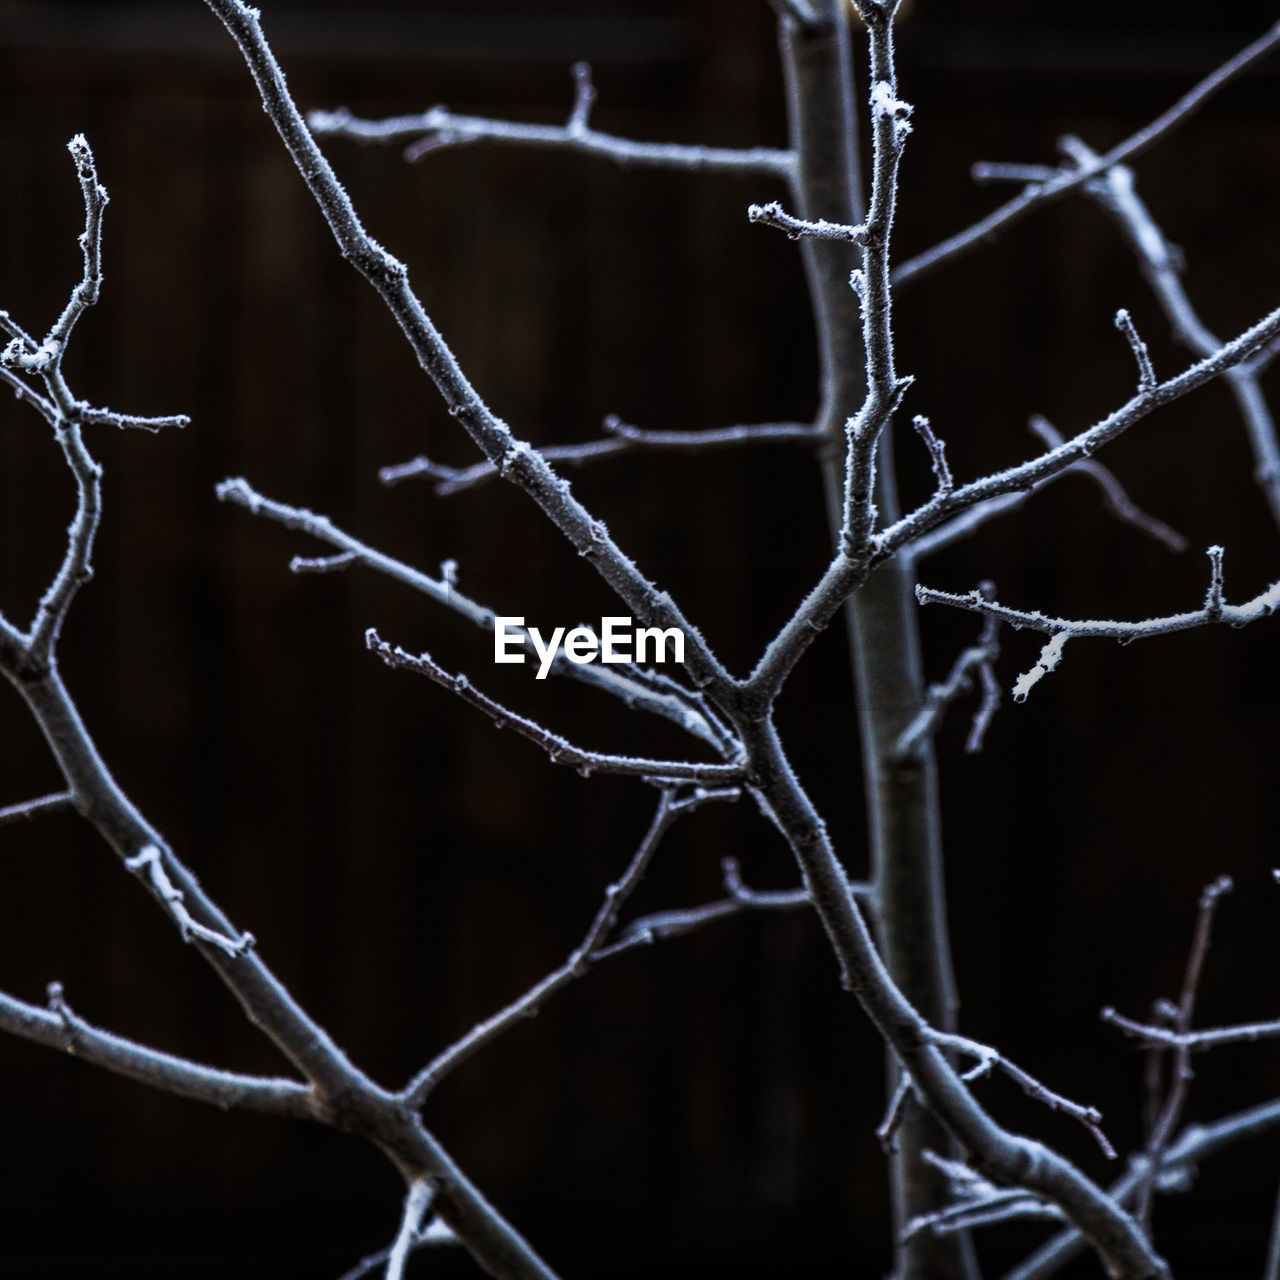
(1180, 1074)
(417, 1201)
(416, 1091)
(1114, 497)
(887, 1129)
(639, 689)
(988, 1058)
(773, 215)
(1060, 630)
(622, 438)
(986, 229)
(1115, 192)
(1146, 373)
(1149, 1033)
(438, 128)
(648, 929)
(980, 659)
(557, 748)
(33, 808)
(150, 860)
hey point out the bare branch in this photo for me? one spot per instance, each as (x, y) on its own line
(979, 658)
(978, 1203)
(738, 898)
(1194, 1144)
(21, 391)
(1180, 1077)
(515, 459)
(1245, 1033)
(773, 215)
(622, 438)
(150, 860)
(57, 1027)
(887, 1129)
(33, 808)
(638, 689)
(986, 229)
(416, 1091)
(1114, 190)
(417, 1201)
(323, 564)
(439, 127)
(1060, 630)
(988, 1058)
(1114, 498)
(937, 455)
(108, 418)
(584, 97)
(1146, 374)
(557, 748)
(435, 1232)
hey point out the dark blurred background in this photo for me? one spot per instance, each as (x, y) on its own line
(709, 1105)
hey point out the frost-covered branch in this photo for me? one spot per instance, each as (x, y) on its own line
(33, 808)
(1160, 264)
(978, 659)
(1114, 498)
(1040, 193)
(432, 130)
(592, 949)
(1195, 1143)
(989, 1059)
(621, 438)
(738, 898)
(637, 688)
(557, 748)
(773, 215)
(43, 360)
(1169, 1115)
(515, 459)
(890, 126)
(149, 862)
(977, 1203)
(58, 1027)
(1060, 630)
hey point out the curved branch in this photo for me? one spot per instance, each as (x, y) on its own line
(986, 229)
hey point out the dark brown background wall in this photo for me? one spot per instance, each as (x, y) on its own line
(407, 869)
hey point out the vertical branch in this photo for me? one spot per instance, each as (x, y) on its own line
(902, 795)
(1181, 1074)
